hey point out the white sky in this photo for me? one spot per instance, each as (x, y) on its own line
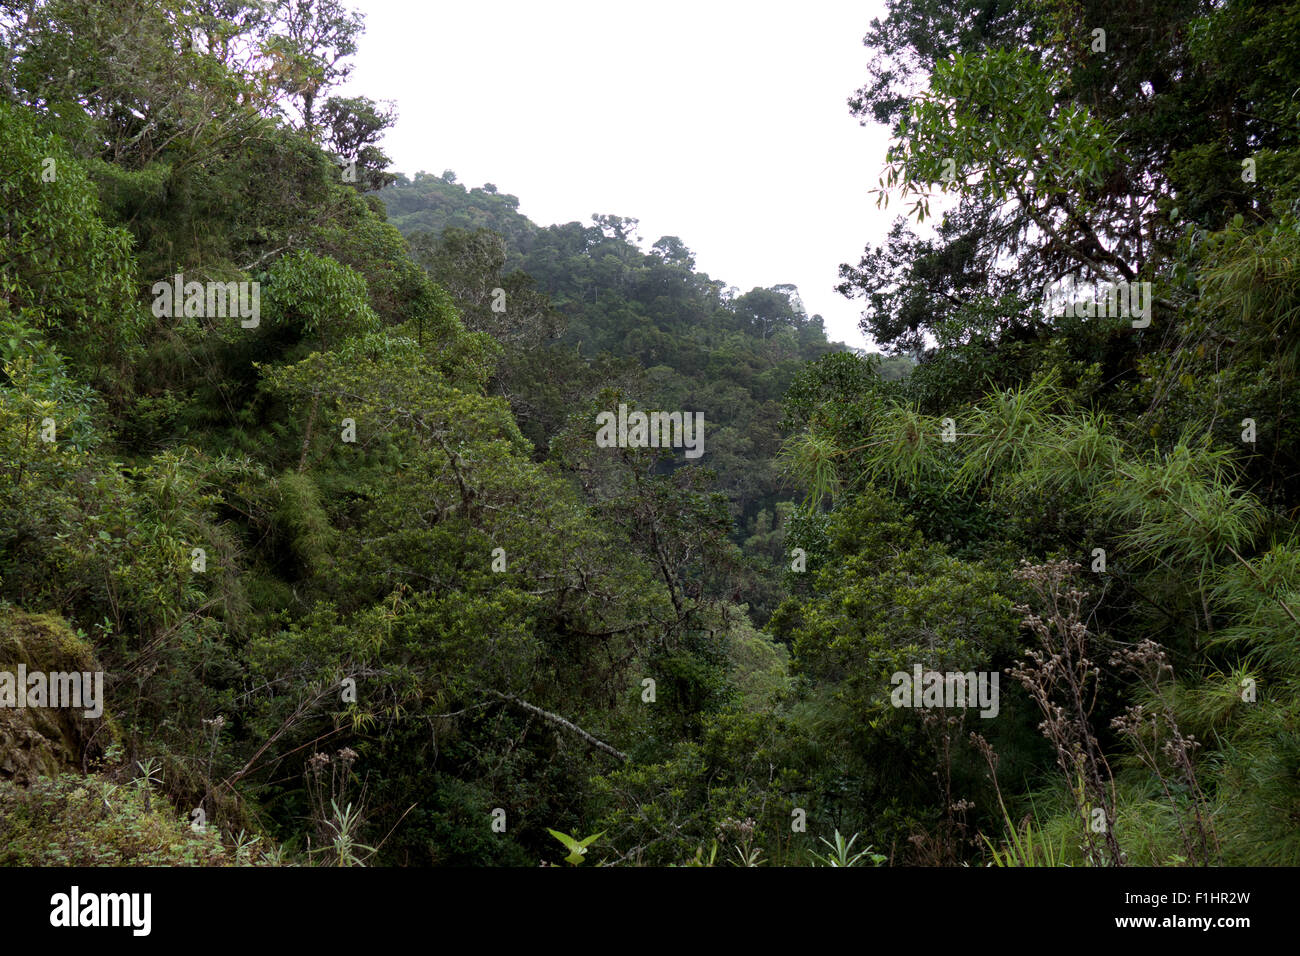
(722, 122)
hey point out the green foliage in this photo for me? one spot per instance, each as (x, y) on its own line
(577, 848)
(63, 271)
(325, 301)
(583, 308)
(1026, 846)
(996, 117)
(842, 853)
(71, 820)
(475, 608)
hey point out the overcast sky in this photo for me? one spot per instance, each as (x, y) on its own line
(724, 123)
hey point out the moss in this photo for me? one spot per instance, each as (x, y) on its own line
(43, 741)
(71, 820)
(42, 641)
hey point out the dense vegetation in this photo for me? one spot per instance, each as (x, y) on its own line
(366, 588)
(594, 320)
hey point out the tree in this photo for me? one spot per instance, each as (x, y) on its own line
(62, 269)
(354, 126)
(311, 41)
(674, 252)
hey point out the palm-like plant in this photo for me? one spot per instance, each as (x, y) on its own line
(841, 853)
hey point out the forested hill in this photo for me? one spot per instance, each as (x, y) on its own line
(266, 468)
(590, 309)
(325, 504)
(597, 272)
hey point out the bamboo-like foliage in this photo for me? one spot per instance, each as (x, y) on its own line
(1006, 428)
(1261, 596)
(1182, 506)
(811, 460)
(1076, 455)
(1254, 277)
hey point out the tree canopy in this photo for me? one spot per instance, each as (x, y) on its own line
(367, 586)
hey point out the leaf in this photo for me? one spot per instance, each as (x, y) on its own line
(568, 841)
(577, 848)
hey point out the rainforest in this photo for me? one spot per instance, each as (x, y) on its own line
(336, 477)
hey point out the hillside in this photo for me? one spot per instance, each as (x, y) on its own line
(343, 482)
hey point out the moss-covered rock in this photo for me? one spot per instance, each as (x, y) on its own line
(45, 741)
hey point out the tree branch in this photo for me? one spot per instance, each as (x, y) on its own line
(559, 722)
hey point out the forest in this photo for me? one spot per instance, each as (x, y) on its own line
(300, 459)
